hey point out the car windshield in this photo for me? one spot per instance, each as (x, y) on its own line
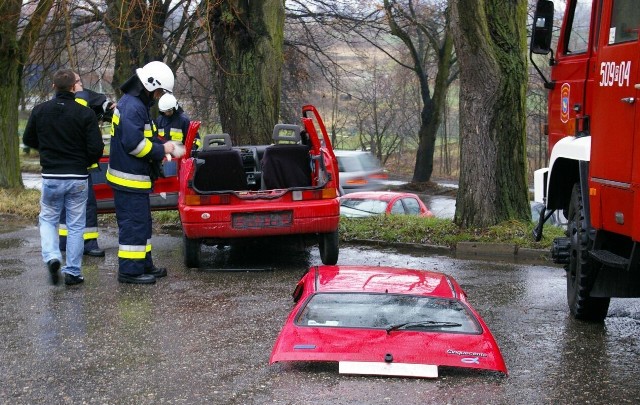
(387, 311)
(364, 205)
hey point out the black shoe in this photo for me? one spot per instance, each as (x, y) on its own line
(70, 279)
(54, 267)
(157, 272)
(141, 279)
(97, 252)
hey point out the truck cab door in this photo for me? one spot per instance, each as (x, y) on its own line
(613, 119)
(615, 98)
(570, 71)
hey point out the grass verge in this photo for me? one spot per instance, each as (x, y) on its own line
(442, 232)
(407, 229)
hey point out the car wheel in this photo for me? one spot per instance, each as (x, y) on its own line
(191, 252)
(328, 243)
(581, 270)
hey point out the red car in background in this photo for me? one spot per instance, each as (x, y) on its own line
(230, 193)
(369, 203)
(385, 321)
(165, 189)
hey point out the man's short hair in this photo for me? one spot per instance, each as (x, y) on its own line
(64, 79)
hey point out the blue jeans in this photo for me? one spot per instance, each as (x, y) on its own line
(72, 195)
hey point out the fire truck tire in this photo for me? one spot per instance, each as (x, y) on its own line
(328, 244)
(191, 252)
(581, 268)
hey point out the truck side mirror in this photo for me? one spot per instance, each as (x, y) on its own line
(542, 28)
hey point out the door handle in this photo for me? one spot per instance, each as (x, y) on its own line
(637, 86)
(628, 100)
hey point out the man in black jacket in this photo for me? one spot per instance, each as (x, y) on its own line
(68, 138)
(103, 108)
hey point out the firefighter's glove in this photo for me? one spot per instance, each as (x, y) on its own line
(178, 149)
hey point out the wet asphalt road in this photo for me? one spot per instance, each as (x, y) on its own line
(205, 336)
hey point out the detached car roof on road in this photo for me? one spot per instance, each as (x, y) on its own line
(385, 321)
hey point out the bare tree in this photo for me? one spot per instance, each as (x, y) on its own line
(425, 49)
(383, 104)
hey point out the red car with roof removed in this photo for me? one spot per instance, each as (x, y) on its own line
(231, 193)
(385, 321)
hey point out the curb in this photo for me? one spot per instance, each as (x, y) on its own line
(470, 250)
(500, 251)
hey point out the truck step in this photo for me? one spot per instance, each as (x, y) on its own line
(609, 259)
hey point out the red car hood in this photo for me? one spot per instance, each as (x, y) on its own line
(399, 352)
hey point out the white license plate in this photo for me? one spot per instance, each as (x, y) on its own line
(393, 369)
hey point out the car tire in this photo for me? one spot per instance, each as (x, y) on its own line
(191, 252)
(329, 250)
(581, 270)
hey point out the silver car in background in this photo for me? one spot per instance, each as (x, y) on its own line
(359, 171)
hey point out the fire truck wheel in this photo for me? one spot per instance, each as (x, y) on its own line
(328, 243)
(581, 269)
(191, 252)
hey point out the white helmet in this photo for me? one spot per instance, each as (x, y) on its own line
(167, 102)
(156, 75)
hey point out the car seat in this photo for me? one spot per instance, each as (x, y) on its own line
(286, 163)
(219, 167)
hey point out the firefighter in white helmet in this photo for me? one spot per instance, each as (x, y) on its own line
(173, 123)
(135, 156)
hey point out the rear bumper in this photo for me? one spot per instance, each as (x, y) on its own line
(216, 222)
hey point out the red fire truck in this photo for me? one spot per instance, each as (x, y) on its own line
(594, 166)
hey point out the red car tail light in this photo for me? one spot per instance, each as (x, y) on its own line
(325, 193)
(194, 199)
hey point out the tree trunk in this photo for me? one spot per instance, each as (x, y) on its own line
(248, 39)
(490, 38)
(10, 86)
(14, 51)
(431, 115)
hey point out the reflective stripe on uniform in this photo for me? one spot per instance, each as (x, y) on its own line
(175, 134)
(135, 252)
(89, 233)
(148, 247)
(135, 181)
(115, 120)
(82, 101)
(143, 148)
(148, 131)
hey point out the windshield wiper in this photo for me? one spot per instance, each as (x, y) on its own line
(423, 324)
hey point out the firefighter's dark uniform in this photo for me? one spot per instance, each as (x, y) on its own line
(174, 127)
(134, 148)
(97, 102)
